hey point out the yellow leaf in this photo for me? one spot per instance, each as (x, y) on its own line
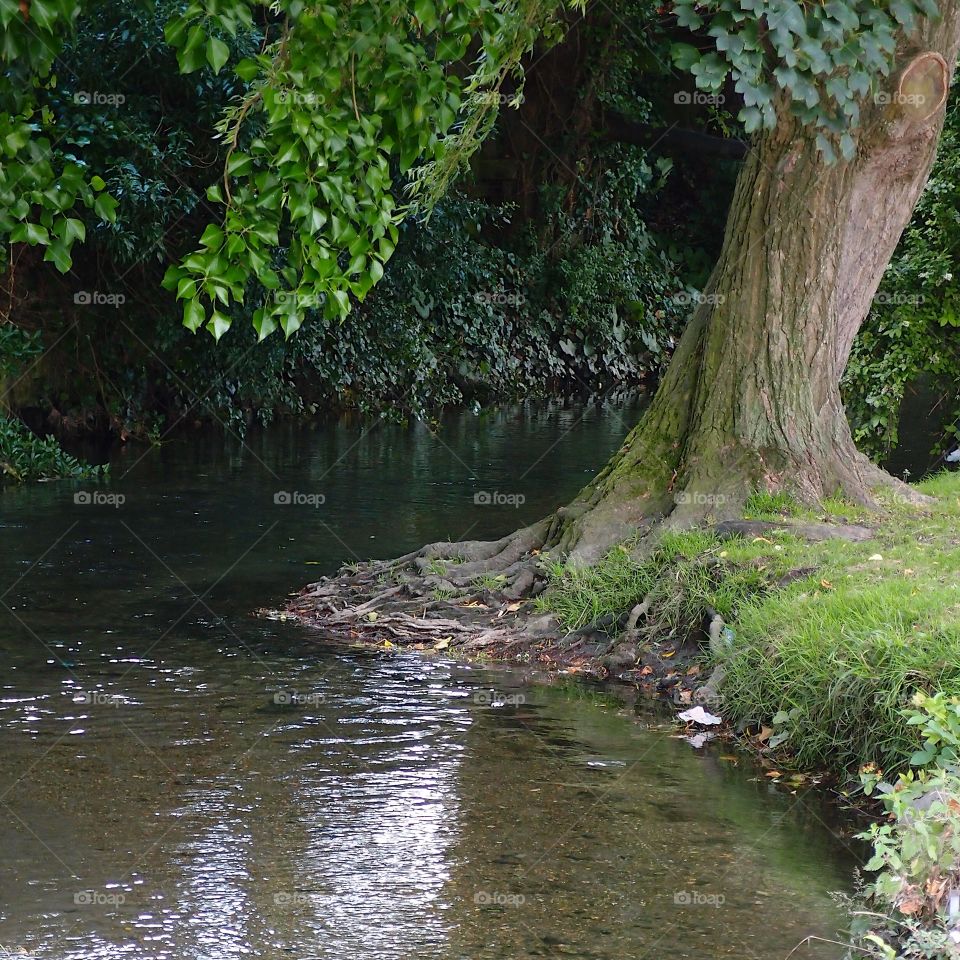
(442, 644)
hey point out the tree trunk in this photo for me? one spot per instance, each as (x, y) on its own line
(752, 397)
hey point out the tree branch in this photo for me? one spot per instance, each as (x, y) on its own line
(673, 139)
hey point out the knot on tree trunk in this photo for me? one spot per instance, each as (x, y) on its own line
(922, 88)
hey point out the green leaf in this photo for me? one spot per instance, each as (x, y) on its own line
(684, 55)
(58, 253)
(218, 53)
(263, 323)
(106, 207)
(31, 233)
(218, 324)
(75, 230)
(342, 300)
(212, 237)
(193, 315)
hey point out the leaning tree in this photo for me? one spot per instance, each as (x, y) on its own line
(361, 113)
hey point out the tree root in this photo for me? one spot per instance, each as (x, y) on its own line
(470, 595)
(479, 597)
(814, 532)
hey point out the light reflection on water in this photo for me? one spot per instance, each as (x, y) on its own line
(157, 801)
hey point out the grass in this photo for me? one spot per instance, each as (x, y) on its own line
(830, 639)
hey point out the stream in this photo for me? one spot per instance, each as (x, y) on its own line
(182, 781)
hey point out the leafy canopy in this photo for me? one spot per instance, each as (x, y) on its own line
(824, 56)
(356, 114)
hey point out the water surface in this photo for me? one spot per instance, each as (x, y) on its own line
(180, 780)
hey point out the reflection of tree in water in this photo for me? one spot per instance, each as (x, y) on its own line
(598, 825)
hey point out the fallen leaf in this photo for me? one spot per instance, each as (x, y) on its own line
(826, 584)
(773, 773)
(875, 556)
(668, 654)
(764, 734)
(761, 540)
(911, 904)
(646, 671)
(513, 607)
(372, 616)
(694, 670)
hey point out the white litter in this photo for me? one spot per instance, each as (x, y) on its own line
(699, 715)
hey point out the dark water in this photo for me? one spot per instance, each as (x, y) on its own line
(158, 799)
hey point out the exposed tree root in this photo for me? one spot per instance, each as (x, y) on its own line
(813, 532)
(478, 597)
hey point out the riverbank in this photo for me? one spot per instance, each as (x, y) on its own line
(818, 637)
(814, 641)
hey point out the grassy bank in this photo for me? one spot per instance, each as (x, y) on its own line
(840, 655)
(827, 641)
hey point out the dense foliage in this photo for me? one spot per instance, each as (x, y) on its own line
(485, 300)
(913, 330)
(821, 57)
(480, 301)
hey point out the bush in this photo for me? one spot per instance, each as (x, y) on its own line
(25, 457)
(914, 325)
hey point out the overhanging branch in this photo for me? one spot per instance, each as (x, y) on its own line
(673, 140)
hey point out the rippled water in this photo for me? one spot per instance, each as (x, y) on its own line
(179, 780)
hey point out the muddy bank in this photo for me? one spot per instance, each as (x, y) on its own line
(672, 667)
